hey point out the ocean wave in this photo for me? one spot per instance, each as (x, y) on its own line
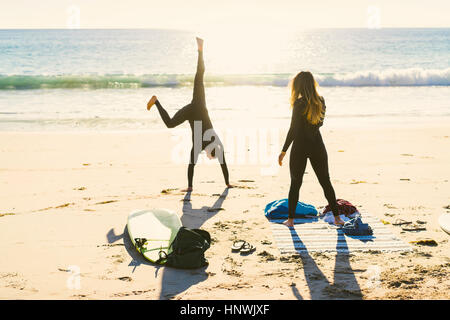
(392, 77)
(388, 78)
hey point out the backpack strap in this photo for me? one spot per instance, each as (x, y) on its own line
(162, 256)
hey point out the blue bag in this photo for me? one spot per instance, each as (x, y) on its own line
(278, 209)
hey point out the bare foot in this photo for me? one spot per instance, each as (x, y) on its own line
(289, 223)
(189, 189)
(230, 186)
(151, 102)
(199, 44)
(338, 221)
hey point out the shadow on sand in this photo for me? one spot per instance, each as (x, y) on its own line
(344, 286)
(174, 281)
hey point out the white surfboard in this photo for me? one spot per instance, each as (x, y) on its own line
(444, 222)
(158, 228)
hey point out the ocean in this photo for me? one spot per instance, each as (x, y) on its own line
(52, 80)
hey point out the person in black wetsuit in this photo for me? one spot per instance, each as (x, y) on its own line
(307, 117)
(203, 135)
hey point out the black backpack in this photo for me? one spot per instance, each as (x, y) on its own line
(188, 249)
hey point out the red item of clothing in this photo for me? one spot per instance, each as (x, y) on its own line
(344, 207)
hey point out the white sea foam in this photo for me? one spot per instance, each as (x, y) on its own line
(387, 78)
(391, 77)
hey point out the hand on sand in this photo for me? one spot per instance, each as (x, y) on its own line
(151, 102)
(289, 223)
(209, 155)
(189, 189)
(281, 157)
(199, 44)
(338, 221)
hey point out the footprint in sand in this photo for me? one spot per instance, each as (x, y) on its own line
(230, 266)
(118, 258)
(266, 256)
(221, 226)
(12, 280)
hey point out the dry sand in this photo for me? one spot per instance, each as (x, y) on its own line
(65, 197)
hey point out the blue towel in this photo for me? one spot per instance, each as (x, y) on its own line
(278, 209)
(355, 227)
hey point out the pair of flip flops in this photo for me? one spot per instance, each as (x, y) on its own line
(409, 225)
(242, 246)
(400, 222)
(413, 227)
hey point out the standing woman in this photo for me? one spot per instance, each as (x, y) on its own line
(307, 117)
(203, 135)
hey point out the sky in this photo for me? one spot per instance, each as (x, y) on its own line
(204, 15)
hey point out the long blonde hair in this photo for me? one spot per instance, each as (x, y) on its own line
(304, 85)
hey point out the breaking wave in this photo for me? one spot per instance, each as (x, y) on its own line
(391, 77)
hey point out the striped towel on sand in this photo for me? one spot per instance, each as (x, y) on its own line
(313, 234)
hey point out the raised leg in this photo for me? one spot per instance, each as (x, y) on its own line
(199, 87)
(180, 116)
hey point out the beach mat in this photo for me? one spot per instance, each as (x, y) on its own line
(312, 234)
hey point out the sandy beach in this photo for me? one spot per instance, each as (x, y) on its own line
(65, 197)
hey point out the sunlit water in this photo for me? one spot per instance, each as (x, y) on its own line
(102, 79)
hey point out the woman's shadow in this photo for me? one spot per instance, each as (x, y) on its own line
(319, 286)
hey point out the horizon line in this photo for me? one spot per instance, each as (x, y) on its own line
(193, 30)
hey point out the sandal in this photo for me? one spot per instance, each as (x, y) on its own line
(413, 227)
(399, 222)
(238, 245)
(247, 248)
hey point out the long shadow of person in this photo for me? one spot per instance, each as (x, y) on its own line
(319, 286)
(175, 281)
(195, 218)
(345, 285)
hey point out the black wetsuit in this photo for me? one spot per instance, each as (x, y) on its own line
(307, 143)
(197, 114)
